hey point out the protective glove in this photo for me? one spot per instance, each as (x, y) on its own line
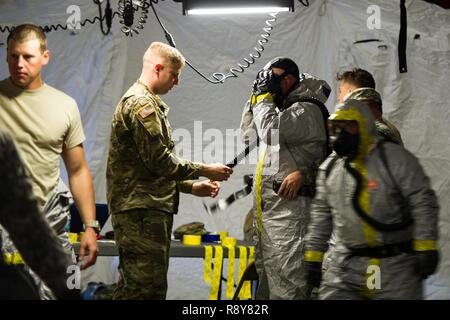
(313, 271)
(263, 82)
(427, 262)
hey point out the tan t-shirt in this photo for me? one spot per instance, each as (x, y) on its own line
(40, 121)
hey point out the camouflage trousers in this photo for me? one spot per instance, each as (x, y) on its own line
(143, 239)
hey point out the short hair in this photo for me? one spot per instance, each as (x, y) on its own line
(26, 32)
(358, 77)
(168, 53)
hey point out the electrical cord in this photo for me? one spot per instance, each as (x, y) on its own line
(6, 28)
(109, 16)
(221, 77)
(127, 8)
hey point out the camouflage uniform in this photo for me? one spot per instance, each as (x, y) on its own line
(388, 131)
(385, 128)
(144, 178)
(192, 228)
(30, 232)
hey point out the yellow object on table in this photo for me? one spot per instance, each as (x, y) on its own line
(223, 235)
(73, 237)
(192, 240)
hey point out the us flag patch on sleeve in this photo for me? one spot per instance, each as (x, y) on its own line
(145, 112)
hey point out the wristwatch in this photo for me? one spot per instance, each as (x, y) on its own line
(92, 224)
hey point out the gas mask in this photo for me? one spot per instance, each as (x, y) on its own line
(266, 81)
(345, 144)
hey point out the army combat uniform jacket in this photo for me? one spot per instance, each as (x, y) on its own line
(142, 170)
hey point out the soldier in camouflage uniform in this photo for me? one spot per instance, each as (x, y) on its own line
(359, 84)
(31, 233)
(144, 177)
(371, 99)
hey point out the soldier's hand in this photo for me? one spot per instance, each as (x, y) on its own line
(291, 185)
(88, 242)
(206, 188)
(216, 172)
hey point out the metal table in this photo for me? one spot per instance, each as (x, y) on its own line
(177, 249)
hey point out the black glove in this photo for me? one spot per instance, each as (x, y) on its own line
(263, 82)
(313, 271)
(427, 262)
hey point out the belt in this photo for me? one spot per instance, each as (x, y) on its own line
(386, 251)
(13, 259)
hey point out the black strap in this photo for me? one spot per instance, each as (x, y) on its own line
(244, 153)
(255, 143)
(222, 204)
(325, 116)
(402, 38)
(331, 165)
(368, 219)
(384, 251)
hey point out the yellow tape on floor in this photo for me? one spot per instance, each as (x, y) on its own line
(217, 273)
(242, 267)
(208, 264)
(230, 244)
(216, 269)
(247, 287)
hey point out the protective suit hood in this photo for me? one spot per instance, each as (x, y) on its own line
(309, 86)
(355, 110)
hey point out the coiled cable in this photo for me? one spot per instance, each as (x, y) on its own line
(109, 16)
(221, 77)
(127, 8)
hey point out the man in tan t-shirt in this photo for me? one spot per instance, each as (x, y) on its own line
(45, 124)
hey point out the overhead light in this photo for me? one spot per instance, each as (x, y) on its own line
(236, 10)
(236, 6)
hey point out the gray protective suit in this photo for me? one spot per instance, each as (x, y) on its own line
(57, 213)
(297, 141)
(27, 227)
(350, 276)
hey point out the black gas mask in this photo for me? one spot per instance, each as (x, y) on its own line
(267, 81)
(344, 143)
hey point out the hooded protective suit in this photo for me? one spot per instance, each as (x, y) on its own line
(388, 187)
(296, 140)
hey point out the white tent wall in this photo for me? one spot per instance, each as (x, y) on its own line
(96, 70)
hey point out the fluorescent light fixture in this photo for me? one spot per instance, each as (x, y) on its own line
(237, 10)
(235, 6)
